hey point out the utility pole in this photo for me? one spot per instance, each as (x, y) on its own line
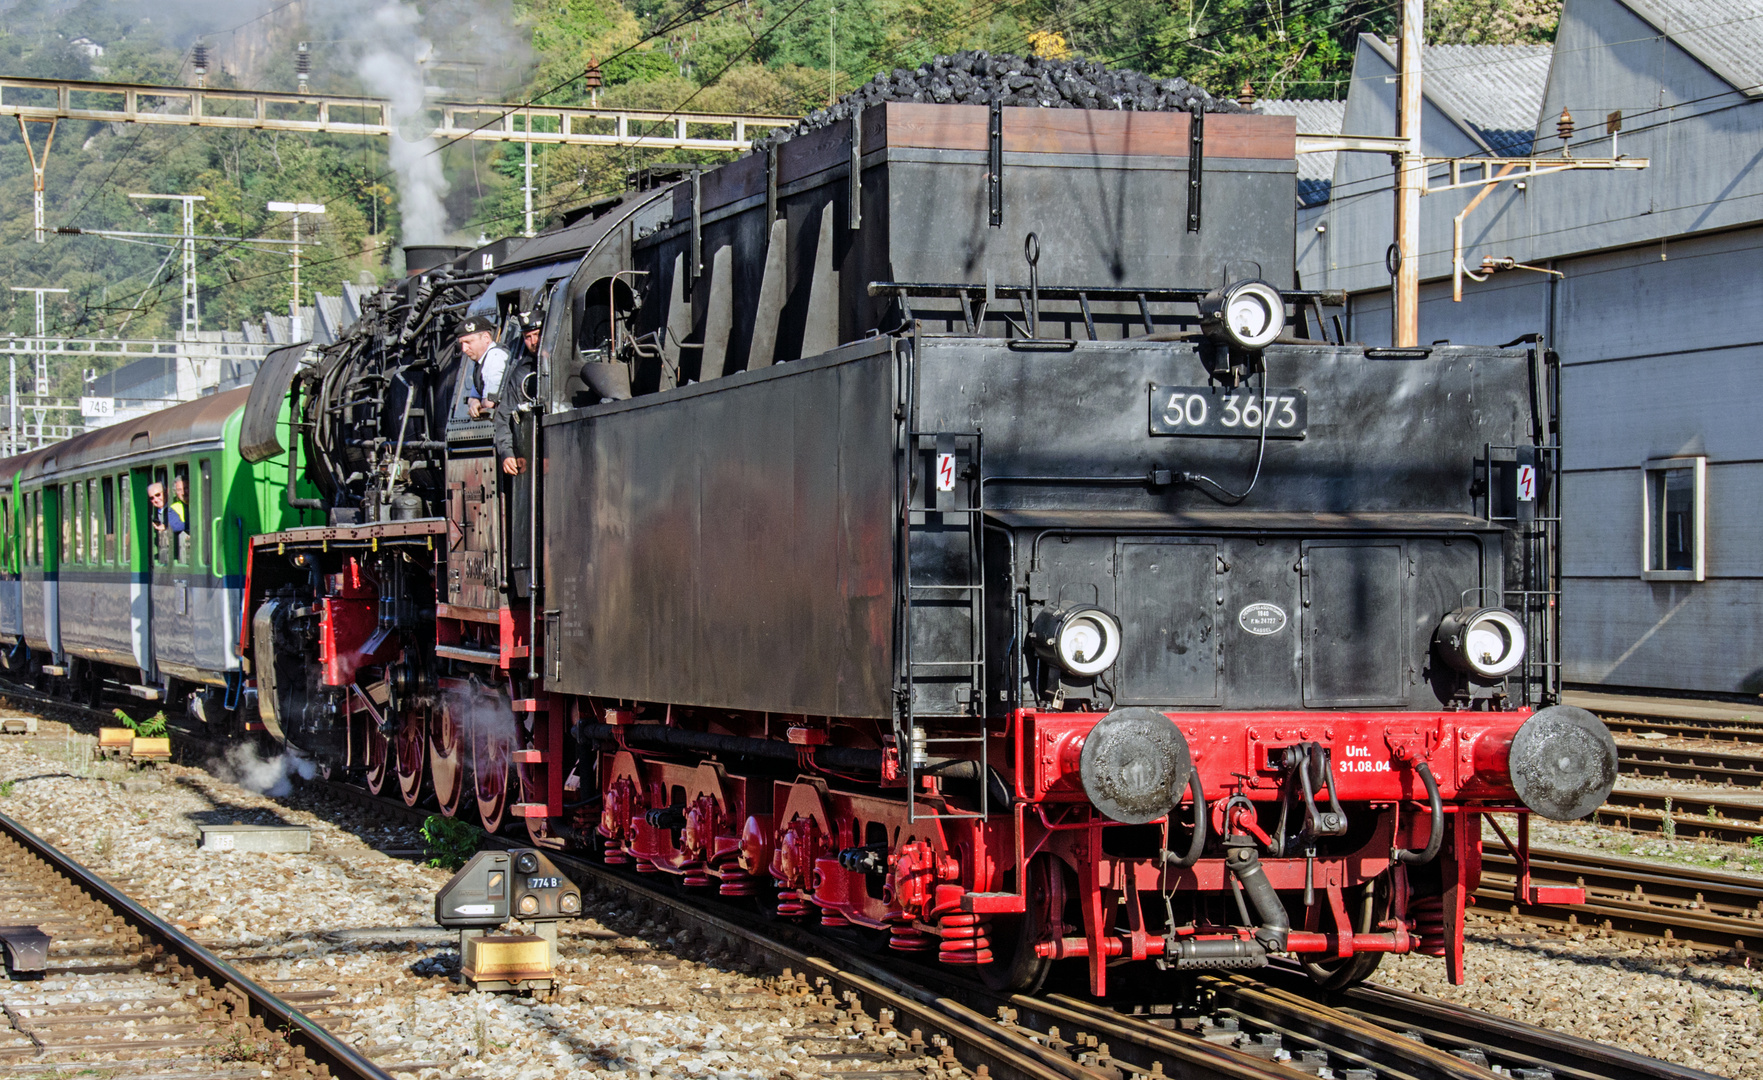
(1410, 181)
(192, 320)
(527, 187)
(38, 164)
(41, 348)
(295, 209)
(832, 53)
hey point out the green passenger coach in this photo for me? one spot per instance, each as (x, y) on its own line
(102, 588)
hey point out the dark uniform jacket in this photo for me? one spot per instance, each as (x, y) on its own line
(513, 430)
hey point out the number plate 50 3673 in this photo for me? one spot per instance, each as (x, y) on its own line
(1240, 412)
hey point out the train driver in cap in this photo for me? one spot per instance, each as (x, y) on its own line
(477, 340)
(507, 409)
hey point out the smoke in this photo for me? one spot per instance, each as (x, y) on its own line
(391, 68)
(486, 720)
(266, 776)
(411, 52)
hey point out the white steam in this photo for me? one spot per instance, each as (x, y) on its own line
(391, 67)
(266, 776)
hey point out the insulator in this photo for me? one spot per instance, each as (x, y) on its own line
(1564, 127)
(199, 58)
(302, 61)
(591, 78)
(1246, 96)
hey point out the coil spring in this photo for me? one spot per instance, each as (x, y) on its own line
(696, 878)
(905, 937)
(829, 917)
(737, 882)
(612, 852)
(1428, 914)
(790, 904)
(965, 939)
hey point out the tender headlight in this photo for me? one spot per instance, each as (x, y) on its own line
(1249, 315)
(1485, 642)
(1082, 640)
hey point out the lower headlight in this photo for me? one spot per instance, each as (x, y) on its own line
(1485, 642)
(569, 903)
(527, 905)
(1082, 640)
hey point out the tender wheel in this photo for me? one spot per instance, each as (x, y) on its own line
(1372, 903)
(410, 756)
(447, 755)
(1016, 968)
(492, 751)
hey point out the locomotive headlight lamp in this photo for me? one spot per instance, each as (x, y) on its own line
(1248, 315)
(1487, 643)
(1082, 640)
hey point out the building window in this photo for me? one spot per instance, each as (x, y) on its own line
(1675, 509)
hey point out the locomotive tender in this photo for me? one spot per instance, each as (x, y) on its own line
(954, 526)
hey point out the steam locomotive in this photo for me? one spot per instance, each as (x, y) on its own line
(950, 524)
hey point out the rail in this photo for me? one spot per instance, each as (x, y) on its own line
(319, 1046)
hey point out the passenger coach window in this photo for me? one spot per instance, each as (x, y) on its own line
(207, 532)
(94, 548)
(67, 520)
(122, 515)
(180, 500)
(109, 520)
(161, 532)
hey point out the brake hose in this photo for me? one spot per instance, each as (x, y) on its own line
(1428, 853)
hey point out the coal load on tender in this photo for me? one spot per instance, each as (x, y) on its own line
(979, 78)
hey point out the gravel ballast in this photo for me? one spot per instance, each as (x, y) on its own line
(635, 999)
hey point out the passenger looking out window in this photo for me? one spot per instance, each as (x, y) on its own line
(168, 520)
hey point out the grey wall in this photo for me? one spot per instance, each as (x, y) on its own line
(1658, 319)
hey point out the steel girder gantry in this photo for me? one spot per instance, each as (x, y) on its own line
(48, 100)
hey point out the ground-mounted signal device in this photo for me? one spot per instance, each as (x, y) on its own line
(488, 891)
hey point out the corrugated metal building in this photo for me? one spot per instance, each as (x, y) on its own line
(1656, 311)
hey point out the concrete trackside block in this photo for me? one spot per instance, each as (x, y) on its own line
(18, 725)
(296, 839)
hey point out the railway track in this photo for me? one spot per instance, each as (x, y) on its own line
(1701, 766)
(1735, 731)
(1237, 1027)
(98, 984)
(902, 1020)
(1684, 815)
(1631, 896)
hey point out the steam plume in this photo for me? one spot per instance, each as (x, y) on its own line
(390, 69)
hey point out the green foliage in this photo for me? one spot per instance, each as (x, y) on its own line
(153, 727)
(450, 842)
(6, 787)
